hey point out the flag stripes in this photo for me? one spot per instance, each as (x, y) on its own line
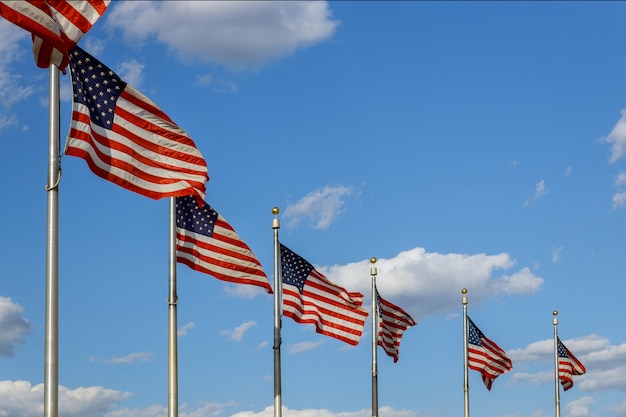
(310, 298)
(126, 139)
(56, 25)
(207, 243)
(568, 366)
(486, 356)
(393, 321)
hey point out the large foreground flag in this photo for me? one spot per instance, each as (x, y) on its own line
(309, 297)
(568, 366)
(393, 321)
(485, 356)
(126, 139)
(56, 25)
(207, 243)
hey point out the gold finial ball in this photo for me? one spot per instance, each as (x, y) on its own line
(464, 291)
(373, 260)
(275, 211)
(555, 313)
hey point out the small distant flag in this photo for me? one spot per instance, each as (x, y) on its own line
(309, 297)
(126, 139)
(207, 243)
(56, 25)
(485, 356)
(393, 321)
(568, 366)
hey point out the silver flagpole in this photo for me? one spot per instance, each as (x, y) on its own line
(51, 354)
(278, 289)
(172, 328)
(373, 273)
(557, 391)
(466, 411)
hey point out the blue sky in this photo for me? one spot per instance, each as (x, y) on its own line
(476, 145)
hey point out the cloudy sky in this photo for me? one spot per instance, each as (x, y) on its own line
(477, 145)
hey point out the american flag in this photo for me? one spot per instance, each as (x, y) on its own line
(485, 356)
(126, 139)
(207, 243)
(56, 25)
(568, 366)
(309, 297)
(393, 321)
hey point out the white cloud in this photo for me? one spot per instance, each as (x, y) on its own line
(430, 283)
(131, 72)
(383, 411)
(619, 200)
(321, 207)
(131, 358)
(620, 408)
(237, 334)
(184, 330)
(579, 407)
(303, 347)
(12, 88)
(556, 254)
(605, 363)
(617, 138)
(567, 171)
(236, 34)
(540, 191)
(19, 398)
(13, 327)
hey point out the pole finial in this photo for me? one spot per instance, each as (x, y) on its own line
(464, 291)
(275, 221)
(464, 298)
(372, 260)
(555, 313)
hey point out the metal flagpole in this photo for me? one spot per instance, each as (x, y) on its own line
(278, 405)
(51, 354)
(373, 273)
(172, 328)
(557, 391)
(466, 411)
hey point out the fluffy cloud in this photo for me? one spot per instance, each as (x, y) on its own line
(235, 34)
(430, 283)
(320, 207)
(13, 327)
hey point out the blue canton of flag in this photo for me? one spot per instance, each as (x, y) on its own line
(207, 243)
(98, 88)
(295, 268)
(191, 217)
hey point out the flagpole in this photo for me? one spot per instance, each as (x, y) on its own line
(373, 273)
(466, 411)
(278, 406)
(51, 354)
(51, 365)
(557, 391)
(172, 301)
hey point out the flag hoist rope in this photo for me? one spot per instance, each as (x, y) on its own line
(278, 406)
(51, 349)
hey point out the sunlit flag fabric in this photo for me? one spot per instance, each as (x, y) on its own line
(207, 243)
(126, 139)
(56, 25)
(568, 366)
(310, 298)
(485, 356)
(393, 321)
